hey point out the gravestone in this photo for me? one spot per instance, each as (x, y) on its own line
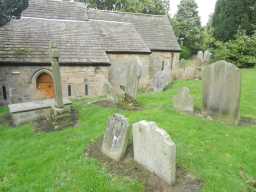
(154, 149)
(207, 56)
(183, 101)
(108, 89)
(134, 74)
(204, 56)
(221, 91)
(200, 56)
(116, 137)
(162, 79)
(60, 117)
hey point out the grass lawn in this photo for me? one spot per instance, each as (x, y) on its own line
(212, 151)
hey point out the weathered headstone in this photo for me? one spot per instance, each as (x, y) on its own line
(183, 101)
(154, 149)
(204, 56)
(134, 74)
(116, 137)
(207, 56)
(221, 91)
(200, 56)
(161, 80)
(107, 89)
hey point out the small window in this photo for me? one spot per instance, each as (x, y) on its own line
(86, 89)
(4, 93)
(162, 66)
(69, 90)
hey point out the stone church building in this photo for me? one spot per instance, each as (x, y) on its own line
(95, 47)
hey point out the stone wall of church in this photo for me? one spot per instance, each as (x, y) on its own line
(160, 59)
(20, 84)
(152, 63)
(119, 68)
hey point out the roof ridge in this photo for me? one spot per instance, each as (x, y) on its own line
(101, 20)
(130, 13)
(73, 2)
(48, 19)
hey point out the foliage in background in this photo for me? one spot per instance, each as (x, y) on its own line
(11, 8)
(233, 15)
(187, 26)
(158, 7)
(240, 51)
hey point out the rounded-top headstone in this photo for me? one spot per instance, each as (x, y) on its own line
(221, 91)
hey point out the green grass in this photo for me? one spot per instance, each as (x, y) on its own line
(212, 151)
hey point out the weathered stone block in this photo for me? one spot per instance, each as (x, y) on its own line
(161, 81)
(154, 149)
(183, 101)
(221, 91)
(31, 111)
(116, 137)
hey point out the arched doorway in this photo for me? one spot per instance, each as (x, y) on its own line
(45, 85)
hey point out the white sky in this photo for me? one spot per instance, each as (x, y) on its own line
(206, 8)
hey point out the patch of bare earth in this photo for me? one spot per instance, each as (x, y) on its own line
(127, 167)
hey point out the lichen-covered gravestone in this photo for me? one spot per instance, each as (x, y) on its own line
(134, 74)
(154, 149)
(116, 137)
(161, 80)
(221, 91)
(183, 101)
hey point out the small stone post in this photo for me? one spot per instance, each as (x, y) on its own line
(54, 56)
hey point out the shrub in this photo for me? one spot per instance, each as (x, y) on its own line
(241, 51)
(186, 53)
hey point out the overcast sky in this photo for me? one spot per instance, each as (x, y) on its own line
(206, 8)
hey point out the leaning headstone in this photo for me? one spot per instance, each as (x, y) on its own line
(161, 81)
(154, 149)
(116, 137)
(183, 101)
(221, 91)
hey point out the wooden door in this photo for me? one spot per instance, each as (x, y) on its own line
(45, 85)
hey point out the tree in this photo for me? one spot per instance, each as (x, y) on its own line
(240, 51)
(137, 6)
(233, 15)
(11, 8)
(187, 26)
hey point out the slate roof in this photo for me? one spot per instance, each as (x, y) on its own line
(56, 9)
(120, 37)
(84, 36)
(27, 41)
(156, 30)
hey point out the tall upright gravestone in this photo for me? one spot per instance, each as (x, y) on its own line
(134, 74)
(221, 91)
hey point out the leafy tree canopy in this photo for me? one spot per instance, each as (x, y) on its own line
(138, 6)
(187, 25)
(11, 8)
(233, 15)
